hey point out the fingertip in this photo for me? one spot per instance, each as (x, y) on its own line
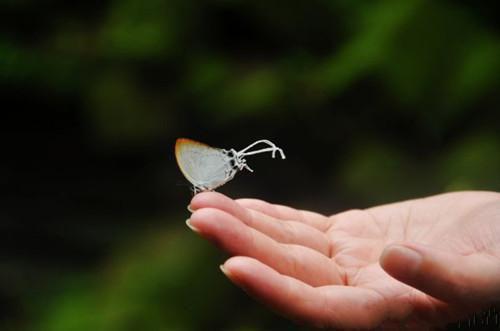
(234, 270)
(400, 261)
(239, 266)
(445, 275)
(222, 229)
(204, 199)
(198, 200)
(246, 272)
(228, 268)
(221, 202)
(225, 271)
(204, 217)
(191, 226)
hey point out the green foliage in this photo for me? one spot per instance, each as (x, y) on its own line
(135, 116)
(166, 280)
(473, 163)
(364, 171)
(140, 29)
(153, 283)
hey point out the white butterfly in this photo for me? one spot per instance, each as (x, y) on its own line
(209, 167)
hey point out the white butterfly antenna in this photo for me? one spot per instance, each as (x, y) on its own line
(272, 148)
(239, 155)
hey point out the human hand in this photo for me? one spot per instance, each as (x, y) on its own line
(414, 264)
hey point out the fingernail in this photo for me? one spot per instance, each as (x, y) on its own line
(225, 271)
(191, 226)
(189, 208)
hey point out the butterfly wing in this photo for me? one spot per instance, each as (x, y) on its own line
(204, 166)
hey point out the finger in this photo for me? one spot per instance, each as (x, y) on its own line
(330, 306)
(454, 278)
(219, 201)
(237, 238)
(310, 218)
(287, 232)
(290, 232)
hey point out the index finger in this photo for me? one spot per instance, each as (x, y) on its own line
(287, 213)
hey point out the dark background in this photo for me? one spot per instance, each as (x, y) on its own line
(372, 102)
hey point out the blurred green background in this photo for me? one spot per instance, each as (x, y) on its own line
(372, 101)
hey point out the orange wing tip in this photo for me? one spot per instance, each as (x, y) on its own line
(182, 143)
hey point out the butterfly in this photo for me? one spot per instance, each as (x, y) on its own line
(208, 167)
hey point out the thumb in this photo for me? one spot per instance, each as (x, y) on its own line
(450, 277)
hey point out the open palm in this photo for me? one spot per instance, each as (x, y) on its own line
(340, 271)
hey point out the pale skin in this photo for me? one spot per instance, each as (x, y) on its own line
(410, 265)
